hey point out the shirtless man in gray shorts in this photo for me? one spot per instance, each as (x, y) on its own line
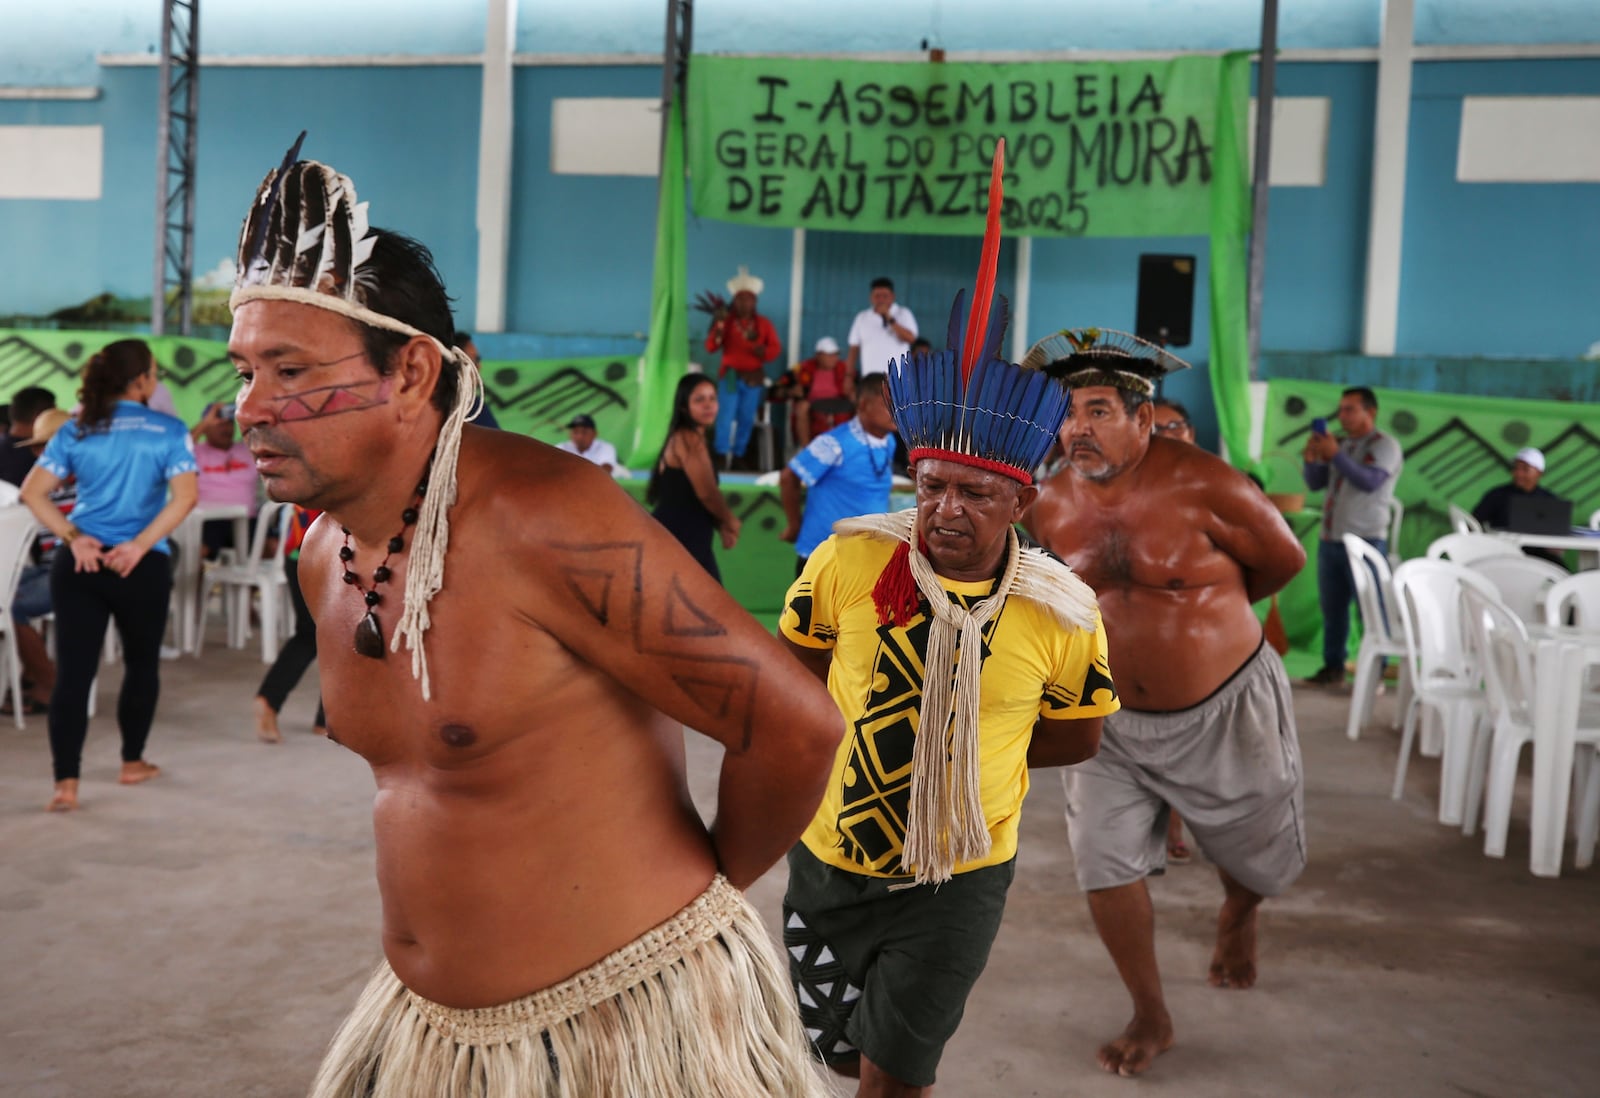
(1177, 545)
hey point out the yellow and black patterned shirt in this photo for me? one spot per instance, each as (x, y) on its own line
(1032, 666)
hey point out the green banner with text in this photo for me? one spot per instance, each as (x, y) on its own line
(1092, 149)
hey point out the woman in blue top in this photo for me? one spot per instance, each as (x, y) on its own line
(136, 481)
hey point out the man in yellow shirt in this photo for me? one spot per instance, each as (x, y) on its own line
(959, 659)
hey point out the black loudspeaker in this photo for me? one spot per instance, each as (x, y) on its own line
(1166, 299)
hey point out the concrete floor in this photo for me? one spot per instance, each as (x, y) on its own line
(204, 934)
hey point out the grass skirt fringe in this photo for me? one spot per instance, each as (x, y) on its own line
(698, 1007)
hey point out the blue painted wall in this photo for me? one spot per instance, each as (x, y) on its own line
(581, 247)
(408, 138)
(50, 252)
(1500, 22)
(1495, 268)
(1317, 236)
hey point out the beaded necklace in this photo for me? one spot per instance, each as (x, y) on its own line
(369, 632)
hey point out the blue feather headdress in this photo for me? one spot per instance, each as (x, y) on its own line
(967, 404)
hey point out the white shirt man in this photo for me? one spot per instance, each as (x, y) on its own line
(881, 333)
(581, 440)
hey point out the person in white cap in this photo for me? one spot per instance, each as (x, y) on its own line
(748, 341)
(1494, 509)
(584, 441)
(827, 393)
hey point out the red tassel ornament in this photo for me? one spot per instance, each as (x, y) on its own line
(895, 595)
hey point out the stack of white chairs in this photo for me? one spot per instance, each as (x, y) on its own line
(1382, 633)
(1523, 582)
(1446, 687)
(258, 573)
(1508, 666)
(1463, 521)
(17, 531)
(1466, 548)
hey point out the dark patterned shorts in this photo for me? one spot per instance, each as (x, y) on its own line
(884, 970)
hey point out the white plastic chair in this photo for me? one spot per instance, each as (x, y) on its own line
(1522, 581)
(1444, 683)
(1397, 519)
(1594, 521)
(257, 572)
(1382, 634)
(17, 530)
(1507, 660)
(1577, 597)
(1579, 594)
(1463, 521)
(1465, 548)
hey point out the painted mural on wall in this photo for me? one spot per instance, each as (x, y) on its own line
(1456, 449)
(535, 398)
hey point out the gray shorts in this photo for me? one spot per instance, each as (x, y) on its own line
(1229, 765)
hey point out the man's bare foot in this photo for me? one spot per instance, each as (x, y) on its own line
(266, 722)
(135, 772)
(320, 730)
(1233, 964)
(1134, 1051)
(66, 797)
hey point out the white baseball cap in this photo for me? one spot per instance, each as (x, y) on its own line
(827, 345)
(1529, 456)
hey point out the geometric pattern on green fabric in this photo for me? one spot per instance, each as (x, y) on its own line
(534, 397)
(1456, 448)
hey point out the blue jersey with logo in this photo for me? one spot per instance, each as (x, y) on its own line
(846, 473)
(122, 470)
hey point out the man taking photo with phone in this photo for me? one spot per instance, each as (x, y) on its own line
(1359, 471)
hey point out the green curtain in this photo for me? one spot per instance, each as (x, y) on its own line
(1230, 229)
(666, 355)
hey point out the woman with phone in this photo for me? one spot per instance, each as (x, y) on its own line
(136, 480)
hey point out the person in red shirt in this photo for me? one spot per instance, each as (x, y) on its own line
(827, 393)
(748, 341)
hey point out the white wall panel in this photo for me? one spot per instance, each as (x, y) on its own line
(1529, 139)
(605, 136)
(50, 162)
(1299, 140)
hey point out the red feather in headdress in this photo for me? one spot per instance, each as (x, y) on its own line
(983, 288)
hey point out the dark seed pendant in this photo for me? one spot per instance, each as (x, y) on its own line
(369, 637)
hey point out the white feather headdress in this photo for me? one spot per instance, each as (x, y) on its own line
(744, 281)
(307, 240)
